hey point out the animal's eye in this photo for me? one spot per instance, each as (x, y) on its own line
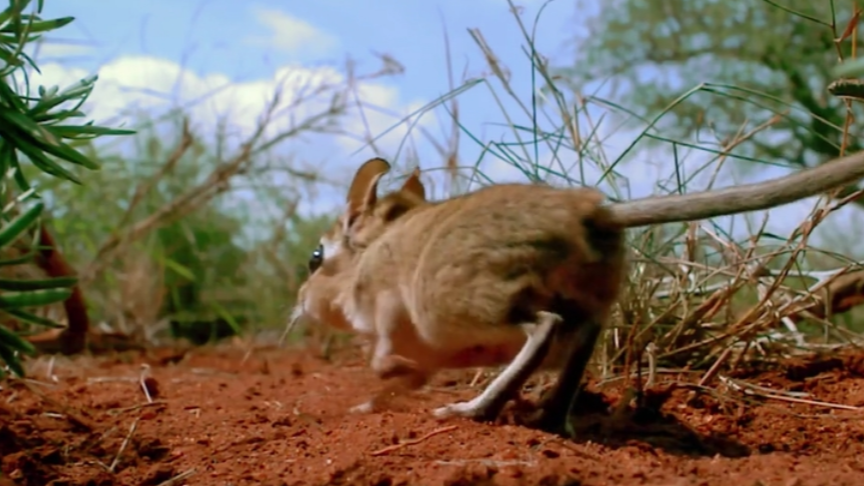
(316, 259)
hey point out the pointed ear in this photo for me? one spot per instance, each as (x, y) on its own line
(364, 188)
(414, 185)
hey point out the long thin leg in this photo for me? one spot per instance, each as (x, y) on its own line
(554, 414)
(489, 403)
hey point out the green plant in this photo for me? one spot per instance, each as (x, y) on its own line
(36, 129)
(17, 295)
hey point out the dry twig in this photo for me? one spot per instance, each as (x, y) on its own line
(178, 478)
(410, 442)
(751, 390)
(123, 445)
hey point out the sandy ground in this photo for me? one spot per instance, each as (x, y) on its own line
(280, 417)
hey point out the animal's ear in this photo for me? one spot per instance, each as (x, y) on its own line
(414, 185)
(363, 192)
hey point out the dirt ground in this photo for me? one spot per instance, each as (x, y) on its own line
(219, 416)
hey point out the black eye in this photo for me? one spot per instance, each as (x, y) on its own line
(316, 259)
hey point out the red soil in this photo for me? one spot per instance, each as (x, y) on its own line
(280, 418)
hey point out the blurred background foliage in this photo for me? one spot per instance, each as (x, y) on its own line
(162, 251)
(767, 62)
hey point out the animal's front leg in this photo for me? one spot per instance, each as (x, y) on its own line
(400, 385)
(392, 326)
(408, 375)
(489, 403)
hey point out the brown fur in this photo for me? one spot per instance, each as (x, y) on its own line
(516, 274)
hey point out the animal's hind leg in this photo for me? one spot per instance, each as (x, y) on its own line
(554, 413)
(489, 403)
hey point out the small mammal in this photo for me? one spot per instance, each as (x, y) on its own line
(517, 274)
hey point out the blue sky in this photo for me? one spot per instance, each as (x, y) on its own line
(150, 45)
(249, 42)
(219, 36)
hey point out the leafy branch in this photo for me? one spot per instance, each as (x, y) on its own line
(38, 129)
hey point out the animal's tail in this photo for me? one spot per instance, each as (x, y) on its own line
(739, 199)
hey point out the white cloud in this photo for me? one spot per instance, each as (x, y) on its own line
(290, 34)
(130, 86)
(155, 85)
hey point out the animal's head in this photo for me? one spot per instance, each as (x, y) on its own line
(365, 218)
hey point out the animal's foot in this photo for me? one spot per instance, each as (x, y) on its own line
(472, 409)
(553, 423)
(392, 366)
(365, 407)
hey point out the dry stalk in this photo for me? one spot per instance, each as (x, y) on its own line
(123, 445)
(71, 415)
(751, 320)
(406, 443)
(145, 187)
(684, 284)
(178, 479)
(755, 390)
